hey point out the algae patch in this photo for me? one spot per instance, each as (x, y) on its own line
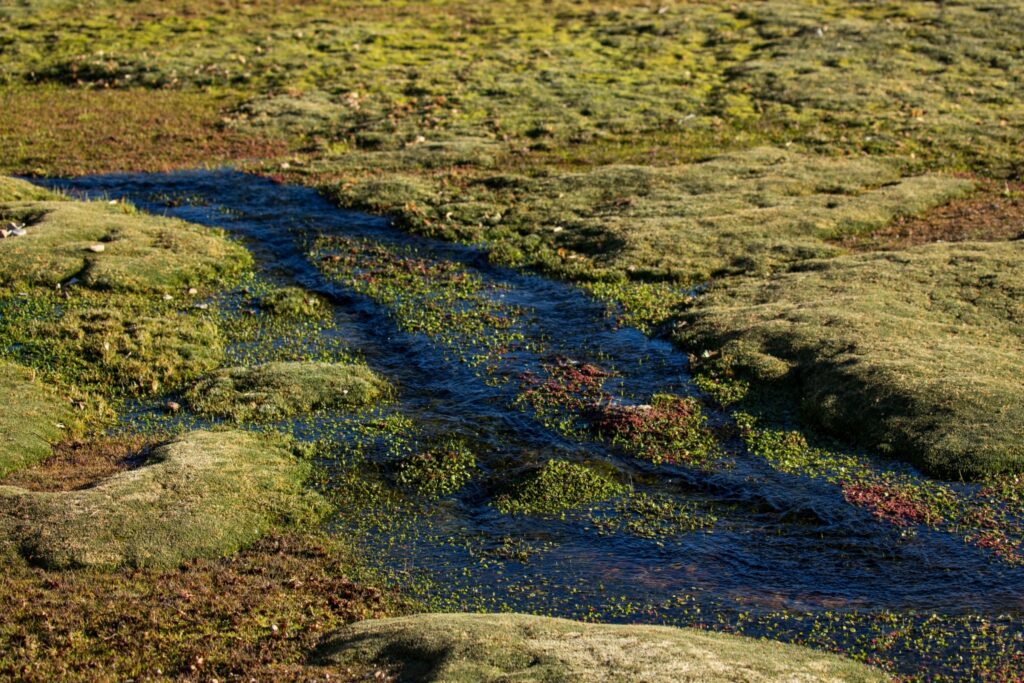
(206, 494)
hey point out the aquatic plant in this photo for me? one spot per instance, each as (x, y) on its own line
(439, 470)
(557, 487)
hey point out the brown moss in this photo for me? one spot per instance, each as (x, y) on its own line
(78, 464)
(61, 131)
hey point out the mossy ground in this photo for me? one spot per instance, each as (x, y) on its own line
(600, 142)
(207, 494)
(914, 353)
(493, 647)
(638, 150)
(34, 418)
(276, 391)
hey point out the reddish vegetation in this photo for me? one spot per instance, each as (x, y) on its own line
(577, 387)
(72, 132)
(995, 213)
(254, 616)
(663, 432)
(889, 503)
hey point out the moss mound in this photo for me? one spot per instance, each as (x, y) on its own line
(502, 647)
(17, 190)
(31, 420)
(129, 348)
(112, 247)
(294, 302)
(207, 494)
(558, 486)
(439, 470)
(918, 354)
(275, 391)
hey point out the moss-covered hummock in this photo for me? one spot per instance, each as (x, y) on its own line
(31, 419)
(558, 486)
(479, 648)
(206, 494)
(112, 247)
(275, 391)
(917, 354)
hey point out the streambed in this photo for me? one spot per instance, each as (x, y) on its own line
(735, 542)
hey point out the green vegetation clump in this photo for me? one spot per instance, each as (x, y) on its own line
(916, 354)
(652, 516)
(438, 471)
(499, 647)
(206, 494)
(112, 248)
(17, 190)
(557, 487)
(33, 418)
(293, 302)
(136, 348)
(275, 391)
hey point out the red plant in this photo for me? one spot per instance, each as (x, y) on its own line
(889, 503)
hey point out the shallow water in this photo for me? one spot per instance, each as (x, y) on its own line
(782, 544)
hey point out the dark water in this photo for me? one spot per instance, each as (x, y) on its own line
(781, 542)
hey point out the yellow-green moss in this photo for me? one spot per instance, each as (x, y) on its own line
(478, 648)
(206, 494)
(276, 391)
(32, 418)
(917, 354)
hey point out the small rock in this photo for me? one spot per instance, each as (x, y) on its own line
(172, 406)
(192, 291)
(19, 232)
(201, 307)
(97, 248)
(4, 234)
(168, 297)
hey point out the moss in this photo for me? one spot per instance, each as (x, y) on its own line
(275, 391)
(139, 253)
(206, 494)
(440, 470)
(558, 486)
(131, 348)
(17, 190)
(497, 647)
(34, 417)
(916, 354)
(749, 211)
(294, 302)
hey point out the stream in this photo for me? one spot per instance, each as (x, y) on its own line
(774, 553)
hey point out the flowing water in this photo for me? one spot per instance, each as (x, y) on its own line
(780, 554)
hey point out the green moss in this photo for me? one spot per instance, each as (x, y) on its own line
(294, 302)
(33, 418)
(276, 391)
(207, 494)
(750, 211)
(131, 347)
(438, 471)
(558, 486)
(916, 354)
(499, 647)
(17, 190)
(139, 253)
